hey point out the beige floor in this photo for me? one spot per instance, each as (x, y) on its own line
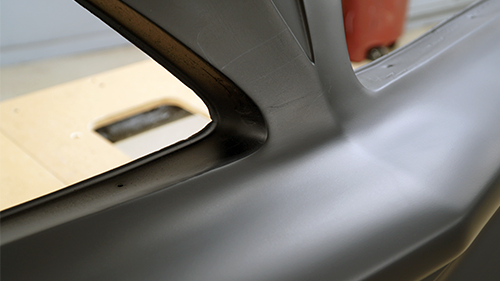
(48, 137)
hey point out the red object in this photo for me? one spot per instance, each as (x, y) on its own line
(372, 23)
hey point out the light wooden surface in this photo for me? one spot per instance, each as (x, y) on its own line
(49, 141)
(18, 169)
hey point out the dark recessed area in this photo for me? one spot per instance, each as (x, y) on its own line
(142, 122)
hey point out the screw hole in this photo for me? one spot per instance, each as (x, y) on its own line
(76, 135)
(120, 185)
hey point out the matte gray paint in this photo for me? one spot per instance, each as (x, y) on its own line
(351, 183)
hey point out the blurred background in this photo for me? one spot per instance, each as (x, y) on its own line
(55, 41)
(33, 30)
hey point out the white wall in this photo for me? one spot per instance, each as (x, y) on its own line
(34, 29)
